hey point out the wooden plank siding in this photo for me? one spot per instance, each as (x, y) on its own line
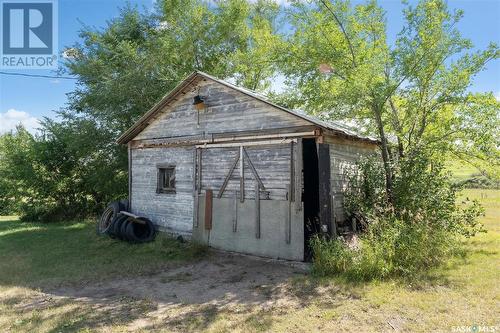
(230, 114)
(228, 110)
(343, 156)
(272, 164)
(168, 211)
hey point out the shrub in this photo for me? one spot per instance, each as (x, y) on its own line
(331, 256)
(386, 249)
(56, 176)
(419, 231)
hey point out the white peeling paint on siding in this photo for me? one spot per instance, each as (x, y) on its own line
(172, 212)
(228, 110)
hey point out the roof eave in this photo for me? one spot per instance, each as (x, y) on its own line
(139, 125)
(135, 129)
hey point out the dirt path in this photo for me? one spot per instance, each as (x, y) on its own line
(190, 296)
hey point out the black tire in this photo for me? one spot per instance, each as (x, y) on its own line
(118, 227)
(123, 230)
(132, 229)
(140, 231)
(114, 230)
(152, 231)
(107, 217)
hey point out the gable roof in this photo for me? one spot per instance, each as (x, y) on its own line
(144, 121)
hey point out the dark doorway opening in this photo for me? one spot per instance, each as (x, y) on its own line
(310, 194)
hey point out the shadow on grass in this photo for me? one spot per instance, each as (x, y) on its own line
(37, 255)
(66, 315)
(89, 281)
(8, 225)
(94, 282)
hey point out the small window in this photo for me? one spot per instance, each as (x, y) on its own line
(166, 179)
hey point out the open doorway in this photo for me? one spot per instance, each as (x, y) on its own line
(310, 194)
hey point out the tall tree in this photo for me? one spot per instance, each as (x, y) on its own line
(125, 68)
(413, 92)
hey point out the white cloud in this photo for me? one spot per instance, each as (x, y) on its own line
(10, 119)
(497, 95)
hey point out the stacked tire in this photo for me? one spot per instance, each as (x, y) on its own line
(108, 216)
(134, 229)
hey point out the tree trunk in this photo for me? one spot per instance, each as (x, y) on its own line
(385, 153)
(397, 127)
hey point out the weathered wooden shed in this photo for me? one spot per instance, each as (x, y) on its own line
(229, 168)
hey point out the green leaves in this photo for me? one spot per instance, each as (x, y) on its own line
(336, 58)
(123, 69)
(411, 94)
(421, 230)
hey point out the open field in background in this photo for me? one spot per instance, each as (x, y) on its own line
(461, 170)
(64, 278)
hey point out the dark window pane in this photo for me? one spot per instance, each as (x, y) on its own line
(166, 179)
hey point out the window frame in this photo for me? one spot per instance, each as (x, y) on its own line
(162, 170)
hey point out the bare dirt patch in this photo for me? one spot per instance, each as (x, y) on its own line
(190, 296)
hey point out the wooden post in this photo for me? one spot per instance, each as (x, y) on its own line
(298, 176)
(334, 221)
(325, 203)
(235, 216)
(208, 209)
(288, 226)
(195, 189)
(257, 210)
(292, 173)
(242, 176)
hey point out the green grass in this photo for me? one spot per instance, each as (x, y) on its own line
(461, 170)
(33, 254)
(465, 292)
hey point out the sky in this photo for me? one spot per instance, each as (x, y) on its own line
(27, 100)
